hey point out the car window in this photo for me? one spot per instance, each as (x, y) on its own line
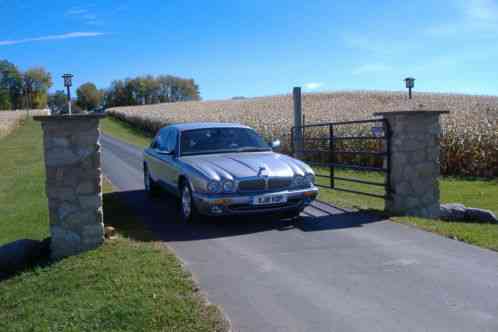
(162, 139)
(171, 140)
(219, 140)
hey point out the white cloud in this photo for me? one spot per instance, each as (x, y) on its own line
(51, 37)
(370, 68)
(312, 85)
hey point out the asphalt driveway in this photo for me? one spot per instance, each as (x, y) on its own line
(333, 270)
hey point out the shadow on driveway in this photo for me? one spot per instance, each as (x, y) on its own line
(160, 215)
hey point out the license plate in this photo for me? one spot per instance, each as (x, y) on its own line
(267, 199)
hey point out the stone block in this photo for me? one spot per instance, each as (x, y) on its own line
(64, 242)
(72, 161)
(414, 162)
(480, 215)
(90, 201)
(452, 211)
(87, 187)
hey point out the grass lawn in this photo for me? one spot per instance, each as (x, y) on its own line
(23, 203)
(125, 285)
(480, 193)
(124, 131)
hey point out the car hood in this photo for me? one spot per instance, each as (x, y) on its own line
(247, 164)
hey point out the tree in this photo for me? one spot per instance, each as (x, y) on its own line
(151, 90)
(11, 86)
(57, 101)
(88, 96)
(37, 81)
(5, 100)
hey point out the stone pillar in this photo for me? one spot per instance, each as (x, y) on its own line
(73, 182)
(415, 168)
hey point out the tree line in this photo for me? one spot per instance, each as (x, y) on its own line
(21, 90)
(148, 89)
(141, 90)
(29, 89)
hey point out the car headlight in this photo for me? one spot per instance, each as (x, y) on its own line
(310, 179)
(299, 181)
(228, 186)
(214, 187)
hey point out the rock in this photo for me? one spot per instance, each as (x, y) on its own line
(110, 232)
(19, 254)
(480, 215)
(452, 211)
(458, 212)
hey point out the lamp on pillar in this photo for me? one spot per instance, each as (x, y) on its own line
(410, 84)
(67, 83)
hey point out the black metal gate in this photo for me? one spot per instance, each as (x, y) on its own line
(363, 145)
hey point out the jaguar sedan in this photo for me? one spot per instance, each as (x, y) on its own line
(219, 169)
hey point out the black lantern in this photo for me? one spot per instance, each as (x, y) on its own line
(410, 84)
(67, 83)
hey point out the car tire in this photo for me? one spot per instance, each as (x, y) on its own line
(151, 187)
(188, 211)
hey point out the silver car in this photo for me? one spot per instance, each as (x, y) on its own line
(221, 169)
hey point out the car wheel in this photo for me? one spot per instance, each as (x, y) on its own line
(151, 187)
(188, 212)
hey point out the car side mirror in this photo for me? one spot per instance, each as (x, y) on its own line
(275, 144)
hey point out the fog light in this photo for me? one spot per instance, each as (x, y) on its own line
(222, 201)
(216, 209)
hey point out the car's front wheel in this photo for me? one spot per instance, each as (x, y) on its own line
(188, 212)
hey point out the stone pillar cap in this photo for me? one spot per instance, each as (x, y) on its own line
(414, 112)
(67, 117)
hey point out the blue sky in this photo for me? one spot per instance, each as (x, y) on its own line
(256, 48)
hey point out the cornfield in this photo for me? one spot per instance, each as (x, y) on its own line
(469, 144)
(10, 120)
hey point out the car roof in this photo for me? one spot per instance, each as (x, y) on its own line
(205, 125)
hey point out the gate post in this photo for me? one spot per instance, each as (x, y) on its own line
(73, 182)
(298, 130)
(415, 168)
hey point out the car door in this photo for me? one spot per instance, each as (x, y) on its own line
(153, 158)
(170, 165)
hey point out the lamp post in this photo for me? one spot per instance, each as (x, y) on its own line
(67, 83)
(410, 84)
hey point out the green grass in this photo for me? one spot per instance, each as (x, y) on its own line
(131, 283)
(479, 193)
(349, 200)
(126, 132)
(23, 203)
(482, 235)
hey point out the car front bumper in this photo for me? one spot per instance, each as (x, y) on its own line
(242, 204)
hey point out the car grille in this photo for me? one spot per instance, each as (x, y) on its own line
(279, 183)
(252, 185)
(260, 184)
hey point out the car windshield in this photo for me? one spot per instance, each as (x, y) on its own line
(221, 140)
